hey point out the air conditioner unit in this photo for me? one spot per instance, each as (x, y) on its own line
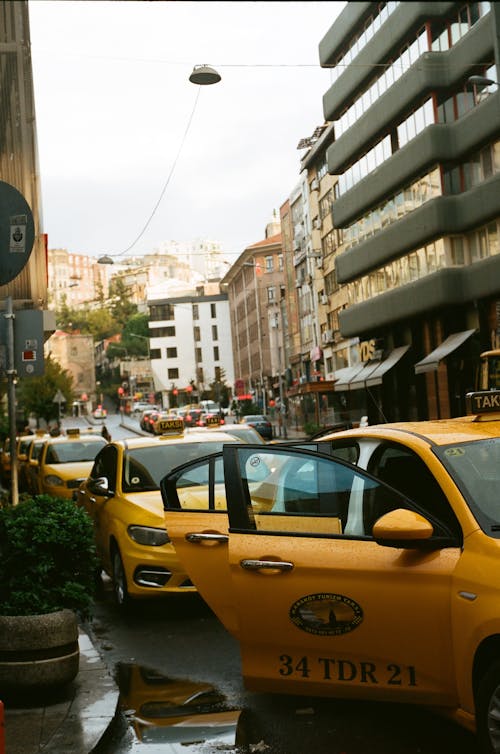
(319, 263)
(324, 299)
(314, 185)
(327, 336)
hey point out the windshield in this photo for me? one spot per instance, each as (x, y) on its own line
(73, 452)
(143, 468)
(475, 467)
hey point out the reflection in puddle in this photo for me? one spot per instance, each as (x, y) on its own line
(181, 715)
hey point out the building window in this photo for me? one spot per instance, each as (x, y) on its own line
(198, 355)
(171, 353)
(271, 293)
(161, 312)
(215, 335)
(197, 333)
(196, 312)
(218, 374)
(280, 263)
(173, 374)
(216, 353)
(269, 262)
(213, 311)
(199, 374)
(155, 353)
(162, 332)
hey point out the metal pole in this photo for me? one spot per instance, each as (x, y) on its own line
(11, 400)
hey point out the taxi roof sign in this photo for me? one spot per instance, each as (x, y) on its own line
(73, 432)
(169, 427)
(484, 402)
(212, 421)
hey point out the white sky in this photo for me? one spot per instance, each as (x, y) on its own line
(113, 103)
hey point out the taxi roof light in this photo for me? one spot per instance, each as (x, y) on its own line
(484, 405)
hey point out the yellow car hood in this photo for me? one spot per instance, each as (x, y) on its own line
(150, 502)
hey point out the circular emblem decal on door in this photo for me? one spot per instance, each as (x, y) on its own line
(326, 614)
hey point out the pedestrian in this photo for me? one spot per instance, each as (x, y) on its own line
(105, 433)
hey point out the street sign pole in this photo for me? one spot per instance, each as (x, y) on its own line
(11, 400)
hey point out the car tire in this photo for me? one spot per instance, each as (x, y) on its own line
(488, 711)
(119, 580)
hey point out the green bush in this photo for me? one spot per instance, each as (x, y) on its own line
(47, 557)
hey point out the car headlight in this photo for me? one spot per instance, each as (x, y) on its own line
(147, 535)
(54, 481)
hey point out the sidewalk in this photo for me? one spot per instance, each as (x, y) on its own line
(76, 722)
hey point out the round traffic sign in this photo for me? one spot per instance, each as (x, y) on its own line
(17, 232)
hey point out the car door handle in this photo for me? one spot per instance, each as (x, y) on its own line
(266, 565)
(197, 538)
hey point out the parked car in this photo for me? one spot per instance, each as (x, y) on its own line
(244, 432)
(380, 558)
(260, 423)
(64, 462)
(122, 497)
(139, 406)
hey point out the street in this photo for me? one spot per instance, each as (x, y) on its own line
(181, 640)
(177, 651)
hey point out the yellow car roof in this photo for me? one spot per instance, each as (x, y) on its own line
(187, 437)
(437, 432)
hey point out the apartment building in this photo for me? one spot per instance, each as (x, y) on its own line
(255, 285)
(416, 203)
(190, 340)
(77, 279)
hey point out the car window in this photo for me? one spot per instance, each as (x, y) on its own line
(475, 467)
(403, 469)
(311, 494)
(197, 487)
(143, 468)
(73, 452)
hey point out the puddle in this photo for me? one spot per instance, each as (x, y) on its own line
(178, 715)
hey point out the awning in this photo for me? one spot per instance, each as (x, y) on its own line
(344, 376)
(375, 378)
(431, 362)
(358, 381)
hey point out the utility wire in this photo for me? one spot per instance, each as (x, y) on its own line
(190, 120)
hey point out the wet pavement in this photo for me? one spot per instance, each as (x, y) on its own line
(76, 720)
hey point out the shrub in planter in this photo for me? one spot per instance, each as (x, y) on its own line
(47, 557)
(47, 577)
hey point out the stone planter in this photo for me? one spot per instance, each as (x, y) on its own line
(38, 651)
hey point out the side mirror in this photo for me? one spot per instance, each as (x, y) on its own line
(402, 528)
(100, 486)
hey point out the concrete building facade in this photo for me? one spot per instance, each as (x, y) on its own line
(417, 200)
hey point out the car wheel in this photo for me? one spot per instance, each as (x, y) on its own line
(488, 711)
(119, 580)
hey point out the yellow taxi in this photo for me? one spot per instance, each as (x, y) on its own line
(22, 454)
(122, 496)
(65, 461)
(364, 566)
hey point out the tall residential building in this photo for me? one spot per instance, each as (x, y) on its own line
(417, 200)
(190, 340)
(255, 285)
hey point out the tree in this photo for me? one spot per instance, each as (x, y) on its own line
(36, 394)
(122, 308)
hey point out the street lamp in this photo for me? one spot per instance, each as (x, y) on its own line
(203, 75)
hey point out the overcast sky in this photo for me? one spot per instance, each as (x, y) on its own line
(117, 116)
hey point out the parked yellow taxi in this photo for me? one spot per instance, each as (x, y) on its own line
(22, 455)
(122, 496)
(65, 461)
(366, 567)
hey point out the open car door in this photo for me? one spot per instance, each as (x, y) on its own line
(333, 582)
